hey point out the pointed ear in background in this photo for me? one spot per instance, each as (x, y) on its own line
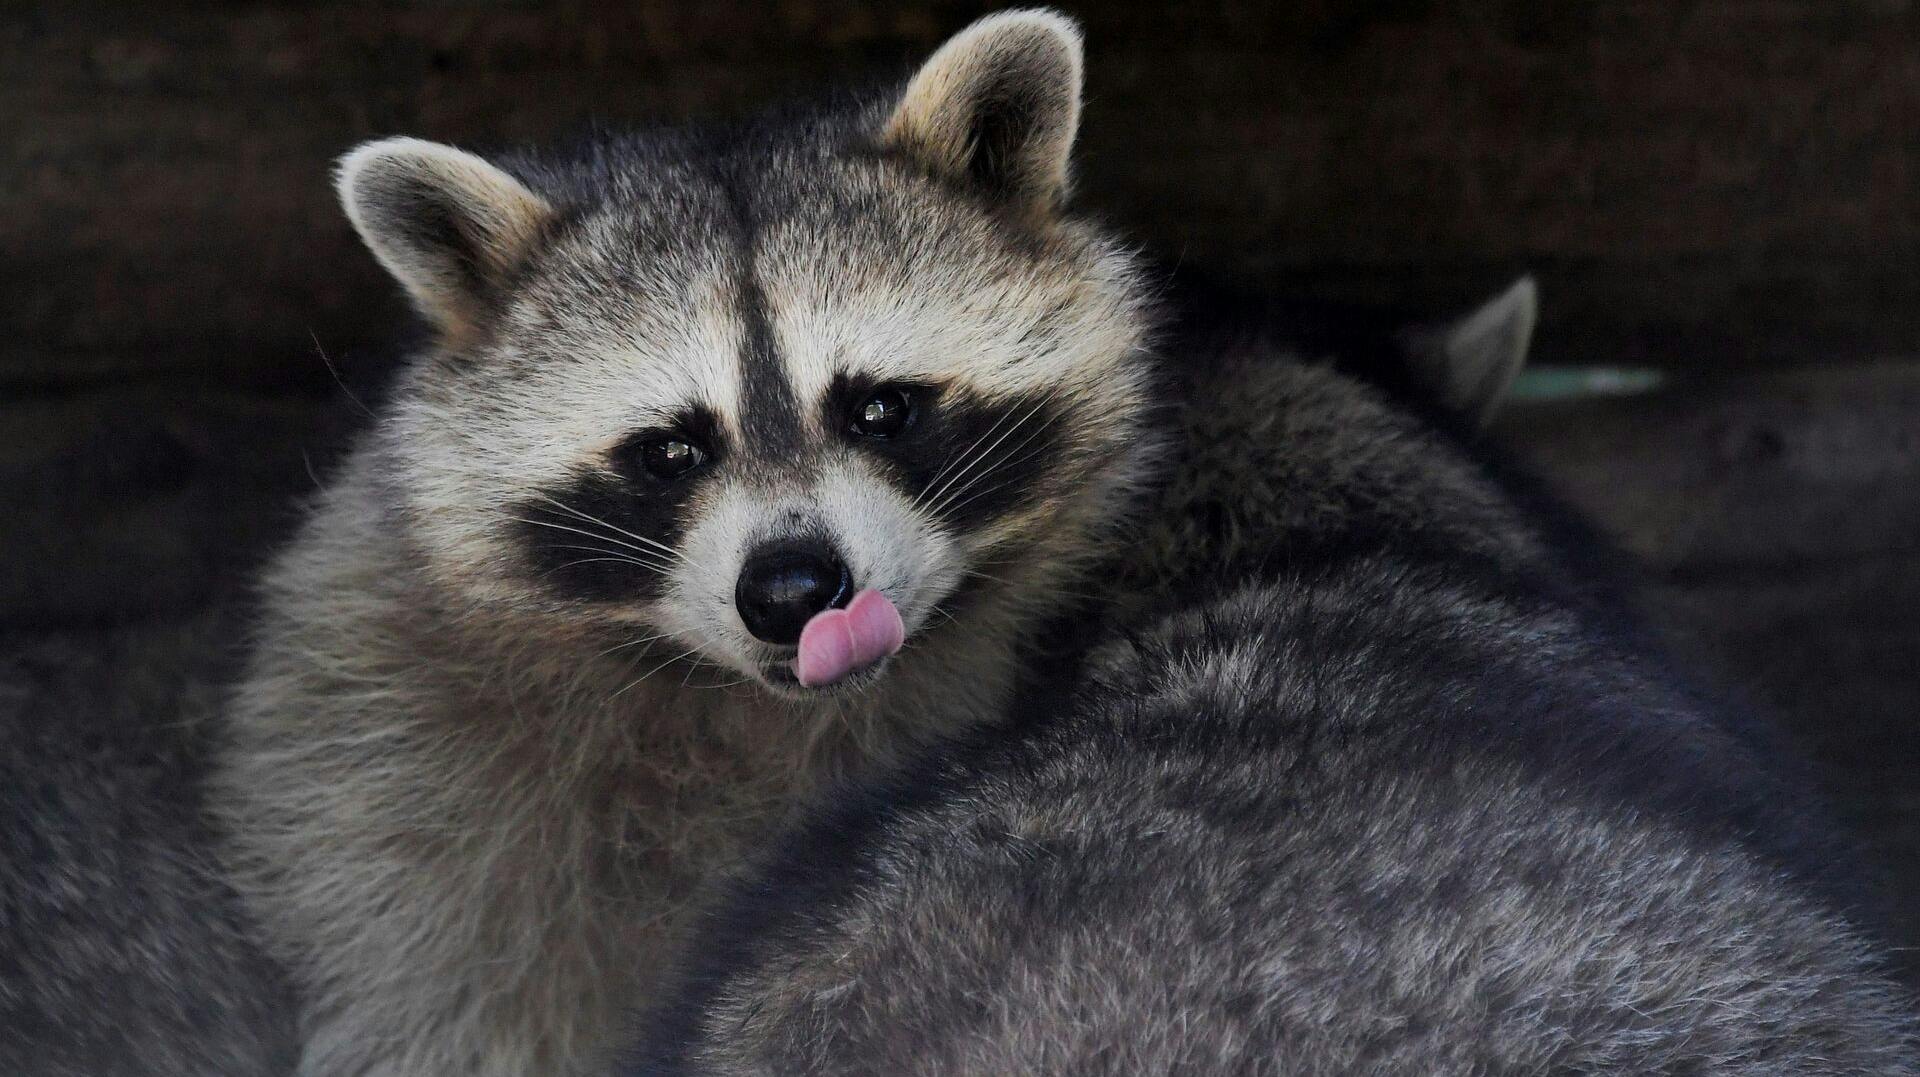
(444, 222)
(1470, 363)
(998, 105)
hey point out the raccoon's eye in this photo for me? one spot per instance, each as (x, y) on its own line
(670, 456)
(884, 413)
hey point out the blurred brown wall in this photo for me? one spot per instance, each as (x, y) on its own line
(1700, 183)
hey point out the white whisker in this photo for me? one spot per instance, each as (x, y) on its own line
(958, 458)
(948, 502)
(589, 518)
(588, 534)
(591, 560)
(633, 643)
(946, 493)
(651, 672)
(959, 501)
(988, 451)
(656, 565)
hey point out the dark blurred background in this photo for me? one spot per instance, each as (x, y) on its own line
(1726, 191)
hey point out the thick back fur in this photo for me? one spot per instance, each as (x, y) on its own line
(1357, 819)
(1367, 789)
(502, 718)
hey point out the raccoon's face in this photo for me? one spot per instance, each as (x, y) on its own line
(698, 399)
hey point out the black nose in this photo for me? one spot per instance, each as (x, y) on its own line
(783, 585)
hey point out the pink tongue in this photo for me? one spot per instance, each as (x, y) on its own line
(837, 642)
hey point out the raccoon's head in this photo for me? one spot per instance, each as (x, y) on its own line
(700, 387)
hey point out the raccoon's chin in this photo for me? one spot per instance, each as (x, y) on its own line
(779, 679)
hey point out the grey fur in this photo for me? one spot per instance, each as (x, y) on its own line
(122, 951)
(1365, 788)
(472, 793)
(1279, 451)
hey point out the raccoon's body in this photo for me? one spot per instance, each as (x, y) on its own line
(123, 953)
(1365, 784)
(529, 675)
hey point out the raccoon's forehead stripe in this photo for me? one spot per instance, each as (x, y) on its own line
(770, 423)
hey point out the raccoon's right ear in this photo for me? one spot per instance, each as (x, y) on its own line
(998, 106)
(444, 222)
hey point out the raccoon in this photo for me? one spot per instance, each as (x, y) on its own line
(713, 422)
(1364, 785)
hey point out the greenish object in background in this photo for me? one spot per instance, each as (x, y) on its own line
(1574, 382)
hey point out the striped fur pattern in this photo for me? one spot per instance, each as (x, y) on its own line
(502, 719)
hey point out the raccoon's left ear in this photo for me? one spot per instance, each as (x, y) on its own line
(998, 106)
(1471, 362)
(447, 224)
